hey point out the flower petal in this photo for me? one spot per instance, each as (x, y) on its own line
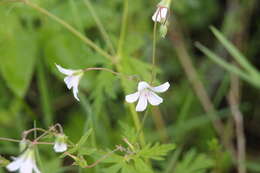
(132, 97)
(161, 88)
(69, 81)
(154, 99)
(15, 165)
(142, 85)
(75, 86)
(164, 12)
(160, 14)
(142, 103)
(73, 82)
(75, 93)
(27, 166)
(35, 168)
(156, 15)
(65, 71)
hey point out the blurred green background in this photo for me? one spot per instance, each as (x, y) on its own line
(32, 89)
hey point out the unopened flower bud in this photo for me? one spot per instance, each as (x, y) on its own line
(162, 12)
(163, 30)
(60, 144)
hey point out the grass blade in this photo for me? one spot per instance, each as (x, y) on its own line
(227, 66)
(240, 58)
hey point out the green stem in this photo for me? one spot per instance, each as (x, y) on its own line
(134, 114)
(70, 28)
(137, 124)
(100, 26)
(123, 30)
(154, 52)
(119, 69)
(143, 122)
(9, 140)
(111, 71)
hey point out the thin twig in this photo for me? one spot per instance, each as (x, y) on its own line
(192, 75)
(9, 140)
(239, 124)
(27, 132)
(49, 131)
(198, 86)
(43, 143)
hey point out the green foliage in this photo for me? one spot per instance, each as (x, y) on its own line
(189, 10)
(32, 89)
(249, 73)
(18, 53)
(136, 161)
(193, 162)
(80, 145)
(104, 90)
(156, 152)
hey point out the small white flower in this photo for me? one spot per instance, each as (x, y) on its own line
(25, 163)
(72, 79)
(60, 144)
(161, 14)
(147, 93)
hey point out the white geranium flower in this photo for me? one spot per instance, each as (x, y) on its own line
(72, 79)
(161, 14)
(147, 93)
(60, 144)
(25, 163)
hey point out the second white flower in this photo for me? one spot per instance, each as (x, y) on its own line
(145, 94)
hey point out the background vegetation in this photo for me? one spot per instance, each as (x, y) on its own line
(211, 111)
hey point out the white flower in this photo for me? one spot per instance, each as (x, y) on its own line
(161, 14)
(60, 143)
(25, 163)
(72, 79)
(147, 93)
